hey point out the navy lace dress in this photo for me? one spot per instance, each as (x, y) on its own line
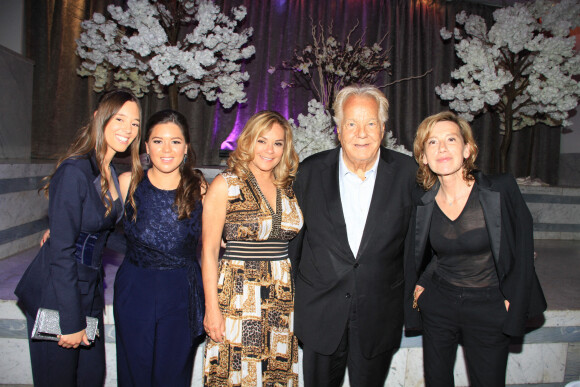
(158, 304)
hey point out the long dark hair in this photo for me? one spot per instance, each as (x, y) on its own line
(189, 190)
(91, 138)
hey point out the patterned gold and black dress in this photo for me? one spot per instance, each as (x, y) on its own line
(255, 291)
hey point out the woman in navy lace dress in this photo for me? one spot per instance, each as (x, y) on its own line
(159, 299)
(84, 205)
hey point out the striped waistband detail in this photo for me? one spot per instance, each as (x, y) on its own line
(256, 250)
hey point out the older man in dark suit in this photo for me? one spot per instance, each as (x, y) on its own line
(356, 201)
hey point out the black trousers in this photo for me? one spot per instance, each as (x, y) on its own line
(472, 316)
(66, 367)
(328, 370)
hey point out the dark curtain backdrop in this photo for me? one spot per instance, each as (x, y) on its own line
(63, 101)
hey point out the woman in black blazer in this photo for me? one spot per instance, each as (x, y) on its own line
(66, 275)
(469, 260)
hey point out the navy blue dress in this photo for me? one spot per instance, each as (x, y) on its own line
(158, 303)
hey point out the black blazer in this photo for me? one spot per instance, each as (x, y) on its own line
(55, 279)
(329, 278)
(510, 228)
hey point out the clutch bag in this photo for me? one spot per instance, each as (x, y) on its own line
(47, 326)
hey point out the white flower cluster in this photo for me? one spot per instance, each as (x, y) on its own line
(139, 49)
(315, 132)
(390, 142)
(524, 67)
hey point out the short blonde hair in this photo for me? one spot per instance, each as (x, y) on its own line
(361, 91)
(425, 176)
(257, 125)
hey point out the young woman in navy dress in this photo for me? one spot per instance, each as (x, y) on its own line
(66, 275)
(158, 302)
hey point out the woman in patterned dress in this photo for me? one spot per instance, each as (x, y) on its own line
(249, 294)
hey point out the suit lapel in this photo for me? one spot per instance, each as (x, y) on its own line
(491, 206)
(423, 224)
(96, 173)
(331, 188)
(97, 181)
(378, 200)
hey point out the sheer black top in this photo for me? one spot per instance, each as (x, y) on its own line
(462, 247)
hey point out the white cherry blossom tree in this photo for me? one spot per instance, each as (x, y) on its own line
(522, 68)
(140, 48)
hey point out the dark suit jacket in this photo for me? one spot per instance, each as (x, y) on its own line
(329, 278)
(55, 279)
(510, 228)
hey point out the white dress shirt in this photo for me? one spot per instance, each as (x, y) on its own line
(355, 195)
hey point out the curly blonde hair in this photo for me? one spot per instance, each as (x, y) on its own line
(257, 125)
(425, 176)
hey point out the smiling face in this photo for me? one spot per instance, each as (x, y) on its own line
(445, 150)
(360, 133)
(268, 150)
(166, 147)
(122, 128)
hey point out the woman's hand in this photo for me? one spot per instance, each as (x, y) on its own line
(45, 237)
(416, 293)
(418, 290)
(214, 325)
(74, 339)
(507, 305)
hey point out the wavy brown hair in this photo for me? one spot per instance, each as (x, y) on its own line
(192, 182)
(257, 125)
(425, 177)
(91, 138)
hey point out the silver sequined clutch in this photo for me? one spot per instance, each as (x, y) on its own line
(47, 326)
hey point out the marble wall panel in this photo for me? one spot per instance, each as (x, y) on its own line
(460, 373)
(397, 373)
(15, 104)
(9, 310)
(19, 245)
(17, 170)
(555, 213)
(535, 189)
(414, 368)
(561, 318)
(21, 207)
(548, 235)
(15, 362)
(569, 236)
(197, 379)
(537, 363)
(111, 361)
(573, 363)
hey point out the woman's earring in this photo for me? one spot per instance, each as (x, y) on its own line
(184, 159)
(147, 158)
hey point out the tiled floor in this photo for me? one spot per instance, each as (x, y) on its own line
(557, 265)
